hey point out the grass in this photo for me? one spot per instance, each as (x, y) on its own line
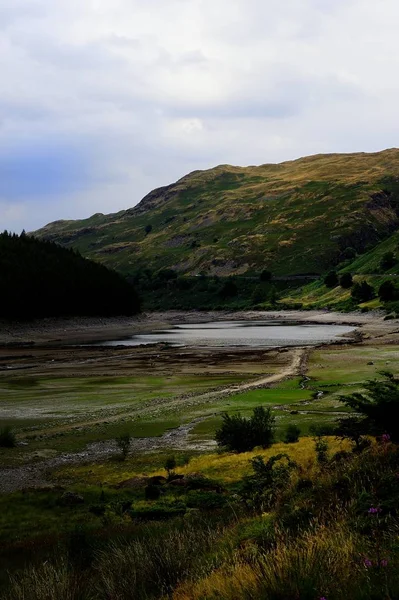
(343, 366)
(225, 467)
(66, 414)
(295, 216)
(317, 540)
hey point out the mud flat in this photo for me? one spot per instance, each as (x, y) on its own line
(67, 401)
(85, 330)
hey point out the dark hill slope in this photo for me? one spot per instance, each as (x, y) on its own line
(294, 217)
(41, 279)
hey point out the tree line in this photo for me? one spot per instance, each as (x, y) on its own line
(41, 279)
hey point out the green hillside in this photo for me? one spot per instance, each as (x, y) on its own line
(295, 217)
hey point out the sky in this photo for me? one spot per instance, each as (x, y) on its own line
(101, 101)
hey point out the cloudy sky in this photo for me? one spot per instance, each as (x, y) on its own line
(103, 100)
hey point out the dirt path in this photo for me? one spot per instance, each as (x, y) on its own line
(38, 474)
(295, 368)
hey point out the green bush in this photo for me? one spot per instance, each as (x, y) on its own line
(387, 291)
(378, 407)
(170, 465)
(362, 292)
(331, 279)
(7, 438)
(346, 281)
(387, 261)
(238, 434)
(292, 434)
(261, 490)
(123, 443)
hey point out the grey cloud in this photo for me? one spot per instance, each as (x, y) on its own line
(143, 91)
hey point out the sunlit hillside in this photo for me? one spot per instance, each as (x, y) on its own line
(295, 217)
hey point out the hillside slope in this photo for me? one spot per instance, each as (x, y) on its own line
(295, 217)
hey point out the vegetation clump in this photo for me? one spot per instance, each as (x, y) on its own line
(239, 434)
(362, 292)
(377, 409)
(7, 438)
(292, 434)
(346, 281)
(331, 279)
(123, 442)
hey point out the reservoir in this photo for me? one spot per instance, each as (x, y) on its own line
(268, 333)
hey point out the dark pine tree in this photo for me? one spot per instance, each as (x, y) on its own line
(41, 279)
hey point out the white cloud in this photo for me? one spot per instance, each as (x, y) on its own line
(147, 90)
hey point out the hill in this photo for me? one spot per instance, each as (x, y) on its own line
(295, 217)
(41, 279)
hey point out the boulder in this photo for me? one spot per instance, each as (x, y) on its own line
(71, 499)
(157, 480)
(133, 482)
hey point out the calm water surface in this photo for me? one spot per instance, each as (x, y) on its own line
(239, 333)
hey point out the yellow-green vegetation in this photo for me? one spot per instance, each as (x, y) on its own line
(319, 529)
(225, 467)
(294, 217)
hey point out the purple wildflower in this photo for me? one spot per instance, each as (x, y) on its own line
(384, 562)
(385, 437)
(367, 562)
(373, 510)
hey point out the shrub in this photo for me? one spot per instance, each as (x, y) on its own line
(148, 229)
(239, 434)
(331, 279)
(348, 254)
(292, 434)
(265, 275)
(152, 492)
(170, 465)
(346, 281)
(321, 447)
(352, 428)
(261, 490)
(123, 443)
(378, 407)
(228, 289)
(7, 438)
(388, 260)
(362, 292)
(387, 291)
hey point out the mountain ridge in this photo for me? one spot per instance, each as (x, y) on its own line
(293, 217)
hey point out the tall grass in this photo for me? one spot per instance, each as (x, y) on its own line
(148, 566)
(152, 566)
(49, 581)
(326, 563)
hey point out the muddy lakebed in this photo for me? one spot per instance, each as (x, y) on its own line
(167, 379)
(266, 333)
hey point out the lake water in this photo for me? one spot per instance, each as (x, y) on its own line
(239, 333)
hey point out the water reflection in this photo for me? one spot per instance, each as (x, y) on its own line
(239, 333)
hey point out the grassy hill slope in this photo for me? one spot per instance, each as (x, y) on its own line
(294, 217)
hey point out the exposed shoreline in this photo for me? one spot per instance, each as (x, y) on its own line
(79, 330)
